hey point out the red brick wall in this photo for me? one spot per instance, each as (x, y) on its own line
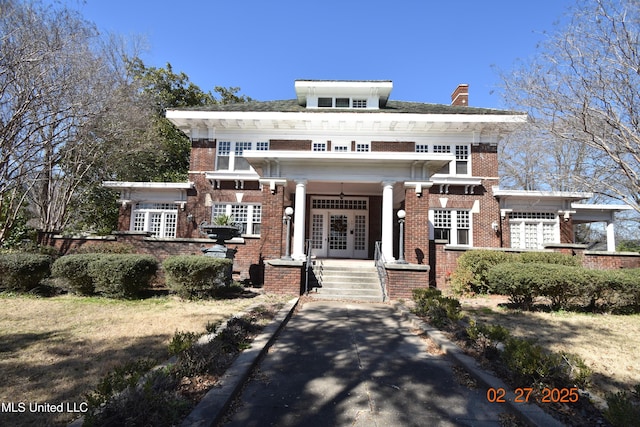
(290, 144)
(604, 261)
(203, 154)
(272, 234)
(484, 160)
(393, 146)
(280, 279)
(566, 230)
(401, 282)
(416, 240)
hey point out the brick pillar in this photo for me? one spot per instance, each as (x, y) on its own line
(566, 230)
(272, 230)
(416, 240)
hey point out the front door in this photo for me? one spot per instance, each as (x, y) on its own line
(339, 234)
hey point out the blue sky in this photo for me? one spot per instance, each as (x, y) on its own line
(427, 47)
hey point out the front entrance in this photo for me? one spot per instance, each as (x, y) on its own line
(339, 228)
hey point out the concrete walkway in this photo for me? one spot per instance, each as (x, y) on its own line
(350, 364)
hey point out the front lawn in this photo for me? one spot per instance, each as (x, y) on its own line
(55, 350)
(609, 344)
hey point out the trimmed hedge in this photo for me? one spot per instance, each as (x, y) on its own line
(470, 277)
(122, 276)
(23, 272)
(73, 270)
(566, 286)
(196, 276)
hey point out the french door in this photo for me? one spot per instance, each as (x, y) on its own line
(339, 234)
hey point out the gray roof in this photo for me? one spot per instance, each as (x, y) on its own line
(291, 105)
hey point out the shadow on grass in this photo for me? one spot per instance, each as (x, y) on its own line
(567, 331)
(53, 380)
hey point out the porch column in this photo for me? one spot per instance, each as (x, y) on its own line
(387, 221)
(611, 237)
(298, 220)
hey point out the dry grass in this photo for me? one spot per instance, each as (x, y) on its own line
(609, 344)
(55, 350)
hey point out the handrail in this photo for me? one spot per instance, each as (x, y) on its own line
(382, 271)
(307, 266)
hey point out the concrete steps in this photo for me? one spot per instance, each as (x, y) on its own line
(352, 280)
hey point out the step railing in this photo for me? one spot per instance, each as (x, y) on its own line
(382, 271)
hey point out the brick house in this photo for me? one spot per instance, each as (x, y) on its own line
(347, 159)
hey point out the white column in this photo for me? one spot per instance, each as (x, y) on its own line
(299, 216)
(387, 221)
(611, 237)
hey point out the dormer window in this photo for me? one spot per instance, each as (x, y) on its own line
(325, 102)
(359, 103)
(343, 94)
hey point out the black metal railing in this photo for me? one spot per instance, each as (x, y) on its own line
(382, 271)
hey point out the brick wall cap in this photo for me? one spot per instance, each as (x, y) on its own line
(406, 267)
(284, 263)
(605, 253)
(81, 237)
(566, 245)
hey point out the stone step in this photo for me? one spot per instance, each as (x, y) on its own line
(346, 280)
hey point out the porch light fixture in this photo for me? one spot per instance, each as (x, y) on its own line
(286, 219)
(189, 217)
(401, 215)
(494, 226)
(341, 192)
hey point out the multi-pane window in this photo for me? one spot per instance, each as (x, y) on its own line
(247, 217)
(442, 225)
(359, 103)
(229, 155)
(319, 146)
(224, 152)
(461, 164)
(363, 147)
(160, 219)
(452, 226)
(462, 159)
(341, 148)
(325, 102)
(532, 230)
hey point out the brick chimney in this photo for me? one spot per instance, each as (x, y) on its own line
(460, 96)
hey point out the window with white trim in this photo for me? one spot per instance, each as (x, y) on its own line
(452, 226)
(462, 159)
(532, 230)
(229, 154)
(340, 147)
(319, 146)
(248, 217)
(160, 219)
(363, 147)
(461, 151)
(359, 103)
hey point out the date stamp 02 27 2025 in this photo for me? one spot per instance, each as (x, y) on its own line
(548, 395)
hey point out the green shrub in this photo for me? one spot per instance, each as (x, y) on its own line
(23, 272)
(122, 276)
(470, 275)
(194, 276)
(73, 270)
(516, 280)
(549, 258)
(621, 411)
(530, 364)
(438, 309)
(182, 341)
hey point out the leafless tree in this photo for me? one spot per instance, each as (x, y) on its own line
(581, 92)
(63, 92)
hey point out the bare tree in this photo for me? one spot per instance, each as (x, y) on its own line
(582, 94)
(66, 108)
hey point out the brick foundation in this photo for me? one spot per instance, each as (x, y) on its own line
(284, 277)
(402, 279)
